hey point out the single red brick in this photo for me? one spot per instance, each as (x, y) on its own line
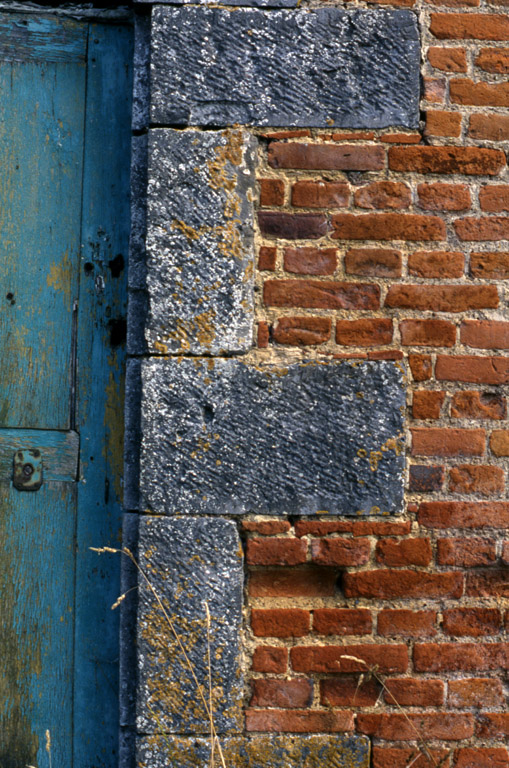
(266, 527)
(346, 157)
(263, 334)
(265, 551)
(308, 721)
(394, 552)
(349, 692)
(473, 622)
(387, 226)
(438, 441)
(292, 226)
(427, 404)
(373, 262)
(272, 192)
(465, 91)
(476, 370)
(403, 727)
(478, 479)
(340, 552)
(444, 197)
(342, 621)
(484, 757)
(493, 583)
(469, 26)
(494, 725)
(421, 367)
(310, 261)
(489, 127)
(494, 60)
(460, 657)
(427, 333)
(434, 89)
(349, 658)
(364, 332)
(442, 123)
(353, 136)
(448, 59)
(401, 138)
(499, 442)
(280, 622)
(466, 160)
(464, 514)
(407, 692)
(321, 294)
(288, 134)
(468, 553)
(494, 198)
(425, 479)
(372, 528)
(267, 258)
(285, 694)
(436, 264)
(267, 658)
(442, 298)
(406, 623)
(392, 757)
(385, 354)
(478, 405)
(322, 527)
(302, 331)
(391, 584)
(476, 692)
(297, 582)
(482, 229)
(320, 194)
(383, 194)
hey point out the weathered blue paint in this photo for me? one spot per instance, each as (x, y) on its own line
(64, 155)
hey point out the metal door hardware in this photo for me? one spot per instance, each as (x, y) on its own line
(27, 474)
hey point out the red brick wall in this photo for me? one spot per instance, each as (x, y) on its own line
(396, 246)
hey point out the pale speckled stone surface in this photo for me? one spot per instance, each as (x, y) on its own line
(200, 258)
(250, 3)
(189, 562)
(272, 751)
(223, 437)
(354, 68)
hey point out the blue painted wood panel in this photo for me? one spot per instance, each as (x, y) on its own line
(64, 180)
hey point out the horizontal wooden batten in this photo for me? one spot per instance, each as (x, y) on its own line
(59, 452)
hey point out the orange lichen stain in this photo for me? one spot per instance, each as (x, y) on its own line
(160, 347)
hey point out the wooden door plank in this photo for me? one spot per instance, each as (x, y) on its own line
(25, 37)
(36, 624)
(101, 336)
(59, 452)
(41, 154)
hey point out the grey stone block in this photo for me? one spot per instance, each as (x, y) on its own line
(189, 562)
(354, 68)
(298, 751)
(200, 241)
(250, 3)
(223, 437)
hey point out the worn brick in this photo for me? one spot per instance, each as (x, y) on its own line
(499, 442)
(320, 194)
(460, 657)
(277, 551)
(444, 441)
(292, 226)
(489, 127)
(266, 527)
(273, 720)
(349, 692)
(392, 584)
(442, 298)
(466, 552)
(296, 582)
(364, 333)
(427, 404)
(475, 370)
(263, 334)
(267, 257)
(427, 333)
(493, 725)
(394, 552)
(494, 198)
(340, 552)
(310, 261)
(481, 757)
(342, 621)
(406, 623)
(494, 60)
(272, 192)
(448, 59)
(442, 123)
(475, 692)
(478, 405)
(373, 262)
(387, 226)
(470, 26)
(397, 757)
(493, 583)
(271, 659)
(327, 157)
(408, 692)
(434, 89)
(473, 622)
(403, 727)
(330, 658)
(302, 331)
(283, 694)
(466, 160)
(436, 264)
(464, 514)
(314, 294)
(465, 91)
(490, 265)
(373, 528)
(444, 197)
(383, 194)
(280, 622)
(425, 479)
(421, 367)
(483, 480)
(487, 228)
(485, 334)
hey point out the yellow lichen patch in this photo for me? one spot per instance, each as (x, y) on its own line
(160, 347)
(60, 277)
(189, 232)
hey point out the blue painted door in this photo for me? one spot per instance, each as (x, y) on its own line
(64, 178)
